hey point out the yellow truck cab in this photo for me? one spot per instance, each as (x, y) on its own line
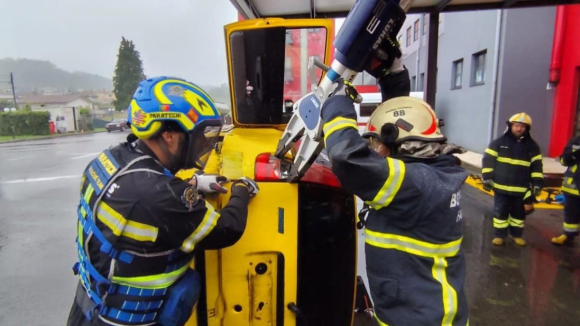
(296, 262)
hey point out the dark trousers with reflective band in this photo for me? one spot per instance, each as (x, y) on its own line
(571, 215)
(509, 215)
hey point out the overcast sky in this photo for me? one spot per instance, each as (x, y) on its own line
(181, 38)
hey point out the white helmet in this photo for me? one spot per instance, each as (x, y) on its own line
(404, 118)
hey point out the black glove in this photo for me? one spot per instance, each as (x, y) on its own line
(487, 185)
(342, 87)
(384, 59)
(210, 183)
(252, 186)
(576, 155)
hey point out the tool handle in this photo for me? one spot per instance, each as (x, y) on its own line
(320, 64)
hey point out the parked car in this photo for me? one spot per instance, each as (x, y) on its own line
(117, 124)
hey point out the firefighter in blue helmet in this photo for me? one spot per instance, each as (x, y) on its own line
(570, 158)
(139, 226)
(406, 175)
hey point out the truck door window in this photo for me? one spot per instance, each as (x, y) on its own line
(367, 109)
(269, 68)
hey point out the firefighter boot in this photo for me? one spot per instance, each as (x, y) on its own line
(520, 242)
(497, 241)
(563, 240)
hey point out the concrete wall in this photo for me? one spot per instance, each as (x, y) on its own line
(466, 111)
(473, 115)
(80, 103)
(525, 63)
(415, 49)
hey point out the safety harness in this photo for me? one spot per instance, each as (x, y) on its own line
(134, 301)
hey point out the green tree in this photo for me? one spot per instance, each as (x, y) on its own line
(128, 74)
(5, 104)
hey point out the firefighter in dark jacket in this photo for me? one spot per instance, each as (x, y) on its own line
(570, 158)
(415, 264)
(511, 164)
(139, 226)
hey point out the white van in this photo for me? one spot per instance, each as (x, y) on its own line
(370, 102)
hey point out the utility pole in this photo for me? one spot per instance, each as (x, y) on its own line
(13, 92)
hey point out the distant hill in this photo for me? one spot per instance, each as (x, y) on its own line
(35, 74)
(218, 94)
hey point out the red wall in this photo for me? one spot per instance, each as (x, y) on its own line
(316, 46)
(566, 94)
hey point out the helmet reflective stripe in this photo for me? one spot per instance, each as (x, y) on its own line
(161, 97)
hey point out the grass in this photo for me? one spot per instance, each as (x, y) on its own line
(9, 138)
(4, 139)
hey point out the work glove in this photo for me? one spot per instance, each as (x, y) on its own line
(252, 186)
(487, 185)
(537, 190)
(343, 87)
(210, 183)
(386, 59)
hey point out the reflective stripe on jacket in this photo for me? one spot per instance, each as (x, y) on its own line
(138, 227)
(415, 263)
(571, 177)
(513, 165)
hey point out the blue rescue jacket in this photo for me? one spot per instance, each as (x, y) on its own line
(415, 264)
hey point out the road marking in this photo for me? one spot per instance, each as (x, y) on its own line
(40, 179)
(20, 158)
(86, 155)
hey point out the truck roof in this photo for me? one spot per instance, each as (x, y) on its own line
(340, 8)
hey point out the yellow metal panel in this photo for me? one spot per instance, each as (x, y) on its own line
(235, 290)
(232, 281)
(261, 243)
(238, 153)
(542, 205)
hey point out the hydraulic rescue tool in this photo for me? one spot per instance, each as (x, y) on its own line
(366, 41)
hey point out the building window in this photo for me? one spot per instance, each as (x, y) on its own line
(478, 68)
(457, 74)
(408, 36)
(413, 83)
(424, 24)
(416, 31)
(421, 86)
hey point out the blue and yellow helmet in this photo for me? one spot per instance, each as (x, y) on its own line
(164, 99)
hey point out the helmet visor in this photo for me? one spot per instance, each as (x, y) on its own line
(202, 141)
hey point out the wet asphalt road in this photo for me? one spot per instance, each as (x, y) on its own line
(39, 191)
(39, 180)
